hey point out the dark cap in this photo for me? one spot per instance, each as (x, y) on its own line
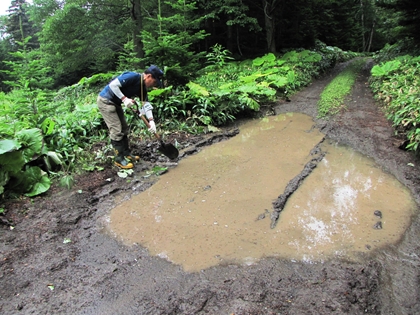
(156, 73)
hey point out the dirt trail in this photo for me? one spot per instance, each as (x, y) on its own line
(41, 273)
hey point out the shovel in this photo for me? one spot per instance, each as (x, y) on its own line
(165, 148)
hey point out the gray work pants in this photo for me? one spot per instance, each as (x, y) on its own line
(114, 118)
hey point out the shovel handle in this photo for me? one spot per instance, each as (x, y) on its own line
(148, 125)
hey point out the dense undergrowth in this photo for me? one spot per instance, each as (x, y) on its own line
(396, 85)
(53, 134)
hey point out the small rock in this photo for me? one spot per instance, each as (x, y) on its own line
(263, 215)
(378, 225)
(378, 213)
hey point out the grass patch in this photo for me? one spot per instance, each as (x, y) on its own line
(332, 98)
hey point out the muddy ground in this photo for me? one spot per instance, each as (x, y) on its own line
(40, 273)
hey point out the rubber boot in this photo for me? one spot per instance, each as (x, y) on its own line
(120, 160)
(127, 152)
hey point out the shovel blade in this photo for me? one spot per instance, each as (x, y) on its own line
(168, 150)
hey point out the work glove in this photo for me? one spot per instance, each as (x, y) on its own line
(152, 128)
(146, 110)
(128, 102)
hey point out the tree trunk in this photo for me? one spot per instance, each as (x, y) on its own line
(138, 22)
(230, 40)
(371, 36)
(270, 24)
(363, 25)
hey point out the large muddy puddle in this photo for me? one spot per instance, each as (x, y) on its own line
(214, 207)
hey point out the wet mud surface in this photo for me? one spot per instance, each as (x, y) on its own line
(56, 259)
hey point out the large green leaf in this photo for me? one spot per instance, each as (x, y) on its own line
(252, 77)
(257, 89)
(18, 183)
(270, 57)
(34, 180)
(291, 56)
(197, 89)
(157, 92)
(8, 145)
(309, 56)
(40, 187)
(386, 68)
(249, 88)
(32, 142)
(226, 87)
(12, 161)
(278, 80)
(249, 101)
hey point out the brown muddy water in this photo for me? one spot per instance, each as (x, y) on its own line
(214, 207)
